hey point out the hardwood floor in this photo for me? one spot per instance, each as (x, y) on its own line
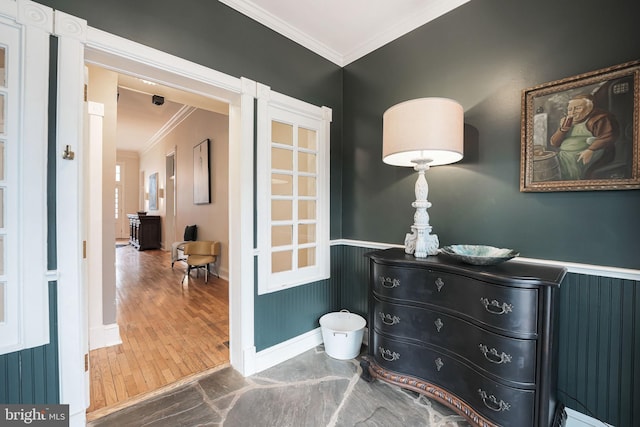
(170, 331)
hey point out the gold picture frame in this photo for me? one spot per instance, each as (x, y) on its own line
(581, 133)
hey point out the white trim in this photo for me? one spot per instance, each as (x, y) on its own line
(572, 267)
(72, 297)
(128, 57)
(9, 8)
(121, 55)
(104, 336)
(578, 419)
(591, 270)
(364, 244)
(288, 349)
(33, 259)
(25, 35)
(275, 107)
(241, 209)
(11, 336)
(51, 275)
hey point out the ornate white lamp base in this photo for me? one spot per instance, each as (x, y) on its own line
(420, 242)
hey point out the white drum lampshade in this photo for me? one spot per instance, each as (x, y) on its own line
(421, 133)
(426, 128)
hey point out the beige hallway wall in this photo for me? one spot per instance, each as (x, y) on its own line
(212, 219)
(131, 185)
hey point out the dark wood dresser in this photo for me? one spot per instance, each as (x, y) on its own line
(480, 339)
(144, 231)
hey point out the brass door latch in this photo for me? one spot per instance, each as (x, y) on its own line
(67, 154)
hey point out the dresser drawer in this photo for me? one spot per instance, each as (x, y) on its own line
(511, 309)
(504, 405)
(509, 358)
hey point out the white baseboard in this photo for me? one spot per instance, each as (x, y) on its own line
(78, 419)
(577, 419)
(223, 273)
(286, 350)
(104, 336)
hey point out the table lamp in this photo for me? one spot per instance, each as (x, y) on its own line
(421, 133)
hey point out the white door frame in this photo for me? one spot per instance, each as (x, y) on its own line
(121, 224)
(77, 44)
(170, 202)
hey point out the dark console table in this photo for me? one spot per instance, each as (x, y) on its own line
(480, 339)
(144, 231)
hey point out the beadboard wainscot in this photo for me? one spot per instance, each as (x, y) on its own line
(598, 328)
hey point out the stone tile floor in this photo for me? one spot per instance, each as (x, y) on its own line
(307, 391)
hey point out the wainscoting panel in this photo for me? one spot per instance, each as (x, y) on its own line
(352, 275)
(599, 366)
(285, 314)
(599, 337)
(31, 376)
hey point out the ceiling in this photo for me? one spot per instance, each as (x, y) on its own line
(341, 31)
(141, 123)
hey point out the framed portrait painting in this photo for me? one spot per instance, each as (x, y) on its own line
(581, 133)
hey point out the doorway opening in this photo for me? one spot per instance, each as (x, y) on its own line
(172, 329)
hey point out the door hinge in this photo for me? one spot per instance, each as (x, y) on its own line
(86, 362)
(84, 249)
(86, 90)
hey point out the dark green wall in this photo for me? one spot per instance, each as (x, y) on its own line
(483, 54)
(599, 349)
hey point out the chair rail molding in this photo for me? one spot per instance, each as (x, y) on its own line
(572, 267)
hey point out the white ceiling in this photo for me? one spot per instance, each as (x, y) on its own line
(343, 30)
(141, 123)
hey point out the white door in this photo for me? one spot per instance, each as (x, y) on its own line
(119, 204)
(170, 206)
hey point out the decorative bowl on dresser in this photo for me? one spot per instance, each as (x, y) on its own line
(480, 339)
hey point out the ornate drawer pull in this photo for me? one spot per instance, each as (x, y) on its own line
(388, 355)
(438, 324)
(494, 307)
(439, 283)
(389, 283)
(493, 356)
(388, 319)
(492, 403)
(439, 364)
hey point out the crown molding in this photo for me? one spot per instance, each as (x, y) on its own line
(168, 127)
(431, 11)
(271, 21)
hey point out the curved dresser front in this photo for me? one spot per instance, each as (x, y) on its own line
(480, 339)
